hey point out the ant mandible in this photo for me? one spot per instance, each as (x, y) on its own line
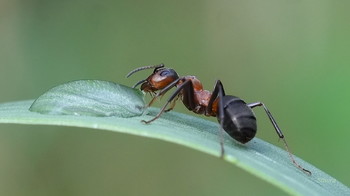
(234, 115)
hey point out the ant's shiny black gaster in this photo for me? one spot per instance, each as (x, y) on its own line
(239, 119)
(234, 115)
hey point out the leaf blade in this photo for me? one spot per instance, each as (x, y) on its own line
(90, 98)
(257, 157)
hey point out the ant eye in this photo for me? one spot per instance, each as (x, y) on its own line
(164, 73)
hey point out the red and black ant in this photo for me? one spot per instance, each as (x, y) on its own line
(234, 115)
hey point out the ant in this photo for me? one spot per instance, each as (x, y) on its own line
(234, 115)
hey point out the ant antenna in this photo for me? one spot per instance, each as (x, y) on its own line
(143, 68)
(138, 83)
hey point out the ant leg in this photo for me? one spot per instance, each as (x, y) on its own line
(215, 94)
(221, 116)
(178, 90)
(279, 133)
(163, 91)
(219, 92)
(173, 103)
(278, 130)
(151, 102)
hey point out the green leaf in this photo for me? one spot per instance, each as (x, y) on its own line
(91, 98)
(260, 158)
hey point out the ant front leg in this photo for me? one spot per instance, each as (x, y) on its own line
(184, 85)
(218, 92)
(280, 134)
(173, 103)
(163, 91)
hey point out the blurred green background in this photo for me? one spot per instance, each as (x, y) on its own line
(292, 55)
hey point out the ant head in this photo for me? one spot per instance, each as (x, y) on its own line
(160, 78)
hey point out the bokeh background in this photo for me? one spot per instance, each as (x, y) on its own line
(292, 55)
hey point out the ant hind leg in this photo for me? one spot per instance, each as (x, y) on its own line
(280, 134)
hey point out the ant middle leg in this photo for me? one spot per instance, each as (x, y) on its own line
(219, 92)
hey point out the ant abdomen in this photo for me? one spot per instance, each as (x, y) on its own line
(239, 119)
